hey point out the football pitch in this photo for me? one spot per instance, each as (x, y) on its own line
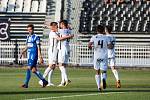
(135, 85)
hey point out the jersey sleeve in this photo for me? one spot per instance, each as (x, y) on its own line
(109, 41)
(38, 40)
(27, 40)
(92, 39)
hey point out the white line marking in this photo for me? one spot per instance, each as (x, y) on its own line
(71, 96)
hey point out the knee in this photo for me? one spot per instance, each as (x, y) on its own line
(52, 66)
(33, 70)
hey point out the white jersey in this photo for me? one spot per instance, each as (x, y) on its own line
(111, 52)
(100, 43)
(63, 43)
(53, 42)
(52, 51)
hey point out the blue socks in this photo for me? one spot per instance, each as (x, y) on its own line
(28, 76)
(38, 74)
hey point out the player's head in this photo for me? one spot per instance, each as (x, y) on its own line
(30, 28)
(108, 29)
(63, 24)
(100, 29)
(54, 26)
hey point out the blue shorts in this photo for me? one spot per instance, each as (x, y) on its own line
(32, 59)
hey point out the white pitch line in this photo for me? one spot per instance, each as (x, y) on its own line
(71, 96)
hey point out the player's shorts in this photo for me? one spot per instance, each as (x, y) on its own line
(111, 62)
(100, 64)
(52, 55)
(63, 55)
(32, 59)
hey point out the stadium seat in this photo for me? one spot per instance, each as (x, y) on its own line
(19, 6)
(27, 6)
(11, 6)
(3, 6)
(42, 6)
(34, 6)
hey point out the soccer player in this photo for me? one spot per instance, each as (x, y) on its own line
(100, 42)
(64, 50)
(111, 55)
(33, 52)
(52, 51)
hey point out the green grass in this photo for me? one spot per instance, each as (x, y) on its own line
(135, 85)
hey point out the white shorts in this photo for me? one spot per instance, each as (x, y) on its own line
(111, 62)
(63, 55)
(100, 64)
(52, 56)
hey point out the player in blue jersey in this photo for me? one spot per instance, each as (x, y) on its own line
(33, 53)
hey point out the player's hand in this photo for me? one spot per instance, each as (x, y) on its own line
(20, 56)
(41, 60)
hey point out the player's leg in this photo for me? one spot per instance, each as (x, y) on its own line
(28, 76)
(103, 78)
(103, 68)
(50, 75)
(63, 60)
(64, 77)
(115, 72)
(50, 61)
(97, 75)
(98, 79)
(39, 75)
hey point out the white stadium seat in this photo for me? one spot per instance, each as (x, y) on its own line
(3, 5)
(34, 6)
(42, 7)
(11, 6)
(27, 6)
(19, 5)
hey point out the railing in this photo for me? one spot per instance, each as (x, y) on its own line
(126, 54)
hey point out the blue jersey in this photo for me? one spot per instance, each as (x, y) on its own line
(32, 52)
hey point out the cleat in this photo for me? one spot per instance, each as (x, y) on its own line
(99, 89)
(41, 82)
(67, 82)
(24, 86)
(61, 85)
(118, 84)
(50, 84)
(44, 83)
(104, 84)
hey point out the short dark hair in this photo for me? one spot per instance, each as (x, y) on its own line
(100, 29)
(109, 28)
(65, 22)
(53, 23)
(31, 25)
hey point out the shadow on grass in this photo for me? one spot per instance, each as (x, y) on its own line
(70, 91)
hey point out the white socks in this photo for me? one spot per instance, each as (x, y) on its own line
(104, 75)
(46, 71)
(115, 74)
(98, 80)
(50, 75)
(63, 74)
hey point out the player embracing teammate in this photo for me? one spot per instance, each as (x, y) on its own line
(102, 44)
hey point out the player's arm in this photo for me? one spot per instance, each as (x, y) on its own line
(90, 45)
(110, 43)
(23, 51)
(65, 37)
(91, 42)
(39, 51)
(110, 46)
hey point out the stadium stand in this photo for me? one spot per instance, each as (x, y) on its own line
(20, 13)
(130, 21)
